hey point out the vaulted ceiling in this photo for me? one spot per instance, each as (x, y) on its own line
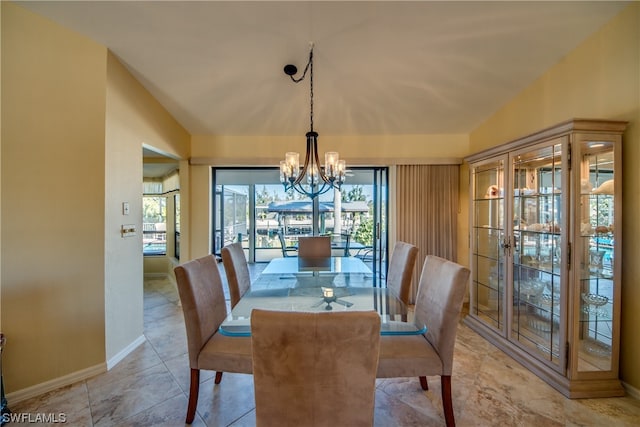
(380, 67)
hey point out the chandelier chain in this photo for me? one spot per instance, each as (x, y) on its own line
(308, 67)
(311, 88)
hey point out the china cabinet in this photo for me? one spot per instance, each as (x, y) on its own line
(545, 245)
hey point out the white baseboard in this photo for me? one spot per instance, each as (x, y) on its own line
(125, 352)
(631, 391)
(170, 277)
(47, 386)
(84, 374)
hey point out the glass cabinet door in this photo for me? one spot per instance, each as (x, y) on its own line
(539, 176)
(487, 245)
(595, 256)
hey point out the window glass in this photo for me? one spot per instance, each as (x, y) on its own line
(251, 206)
(176, 218)
(154, 225)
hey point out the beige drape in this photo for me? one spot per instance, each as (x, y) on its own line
(427, 211)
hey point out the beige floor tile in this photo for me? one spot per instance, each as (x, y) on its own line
(225, 403)
(72, 401)
(117, 400)
(169, 413)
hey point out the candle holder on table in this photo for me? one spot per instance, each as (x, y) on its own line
(329, 296)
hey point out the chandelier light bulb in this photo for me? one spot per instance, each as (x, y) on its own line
(293, 164)
(331, 163)
(342, 170)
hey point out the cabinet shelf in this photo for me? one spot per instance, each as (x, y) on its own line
(539, 309)
(492, 286)
(607, 235)
(486, 257)
(589, 277)
(487, 227)
(536, 195)
(554, 271)
(585, 317)
(537, 232)
(484, 199)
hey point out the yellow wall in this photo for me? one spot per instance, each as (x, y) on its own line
(364, 150)
(133, 118)
(599, 79)
(71, 154)
(53, 214)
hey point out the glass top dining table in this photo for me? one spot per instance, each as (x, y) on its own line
(293, 284)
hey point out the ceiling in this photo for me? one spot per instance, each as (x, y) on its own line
(380, 67)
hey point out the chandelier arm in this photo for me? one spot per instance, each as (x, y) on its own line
(321, 173)
(312, 140)
(311, 194)
(303, 172)
(325, 187)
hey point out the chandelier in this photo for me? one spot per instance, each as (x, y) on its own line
(312, 179)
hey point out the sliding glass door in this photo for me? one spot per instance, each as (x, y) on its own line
(251, 206)
(380, 225)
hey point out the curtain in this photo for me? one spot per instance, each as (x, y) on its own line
(427, 211)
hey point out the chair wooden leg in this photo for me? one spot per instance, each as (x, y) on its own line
(218, 377)
(423, 383)
(447, 402)
(193, 395)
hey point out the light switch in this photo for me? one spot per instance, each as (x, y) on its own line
(125, 208)
(128, 230)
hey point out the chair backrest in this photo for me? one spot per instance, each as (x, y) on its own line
(202, 300)
(283, 243)
(314, 247)
(314, 368)
(237, 271)
(441, 291)
(403, 261)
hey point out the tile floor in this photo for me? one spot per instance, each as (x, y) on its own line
(150, 387)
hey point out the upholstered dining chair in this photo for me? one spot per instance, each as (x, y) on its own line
(403, 260)
(314, 247)
(237, 271)
(204, 309)
(314, 369)
(438, 303)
